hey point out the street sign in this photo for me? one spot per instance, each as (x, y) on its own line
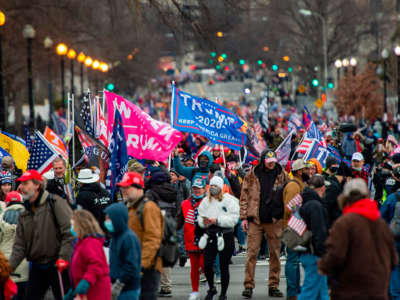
(319, 103)
(302, 89)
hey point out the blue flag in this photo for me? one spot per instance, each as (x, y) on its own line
(317, 151)
(119, 155)
(207, 118)
(306, 118)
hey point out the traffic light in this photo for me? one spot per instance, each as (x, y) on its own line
(331, 85)
(242, 62)
(315, 82)
(110, 87)
(213, 54)
(290, 69)
(259, 62)
(224, 56)
(210, 61)
(275, 68)
(218, 67)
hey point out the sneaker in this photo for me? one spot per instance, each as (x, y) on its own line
(203, 278)
(165, 292)
(218, 279)
(210, 294)
(247, 293)
(182, 261)
(194, 296)
(275, 292)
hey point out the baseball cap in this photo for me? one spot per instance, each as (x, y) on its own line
(298, 164)
(199, 183)
(29, 175)
(357, 156)
(13, 196)
(270, 156)
(132, 178)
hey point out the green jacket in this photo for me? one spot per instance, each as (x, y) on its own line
(38, 237)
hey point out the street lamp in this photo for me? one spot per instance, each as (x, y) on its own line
(338, 65)
(71, 55)
(81, 59)
(345, 63)
(62, 50)
(397, 52)
(88, 63)
(29, 34)
(307, 13)
(385, 55)
(48, 43)
(3, 115)
(103, 67)
(353, 64)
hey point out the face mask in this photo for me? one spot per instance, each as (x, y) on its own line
(109, 225)
(333, 169)
(73, 231)
(203, 164)
(197, 197)
(305, 177)
(357, 169)
(214, 190)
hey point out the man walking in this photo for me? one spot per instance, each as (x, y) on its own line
(260, 211)
(43, 237)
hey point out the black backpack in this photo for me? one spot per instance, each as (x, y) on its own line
(168, 250)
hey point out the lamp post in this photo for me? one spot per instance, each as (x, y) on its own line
(88, 63)
(353, 64)
(29, 34)
(62, 50)
(345, 64)
(306, 12)
(81, 58)
(95, 66)
(48, 43)
(3, 115)
(385, 55)
(71, 55)
(397, 52)
(338, 65)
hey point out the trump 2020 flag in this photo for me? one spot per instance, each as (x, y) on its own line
(283, 150)
(119, 155)
(207, 118)
(42, 154)
(317, 151)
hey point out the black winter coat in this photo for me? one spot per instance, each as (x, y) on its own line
(316, 218)
(329, 201)
(55, 187)
(161, 191)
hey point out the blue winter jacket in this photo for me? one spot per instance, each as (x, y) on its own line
(192, 173)
(387, 212)
(125, 252)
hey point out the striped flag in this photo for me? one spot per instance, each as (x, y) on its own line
(42, 154)
(207, 147)
(305, 145)
(297, 224)
(101, 124)
(295, 203)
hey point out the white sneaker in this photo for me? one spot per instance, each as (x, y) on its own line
(194, 296)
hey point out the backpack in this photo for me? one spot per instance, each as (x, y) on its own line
(296, 242)
(395, 223)
(168, 250)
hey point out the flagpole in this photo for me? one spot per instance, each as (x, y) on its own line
(73, 124)
(68, 114)
(171, 117)
(104, 101)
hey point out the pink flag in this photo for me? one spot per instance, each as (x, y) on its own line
(146, 138)
(101, 125)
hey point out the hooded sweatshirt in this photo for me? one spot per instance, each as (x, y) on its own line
(125, 252)
(192, 173)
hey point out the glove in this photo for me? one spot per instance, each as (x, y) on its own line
(82, 287)
(61, 264)
(220, 242)
(203, 241)
(116, 289)
(69, 295)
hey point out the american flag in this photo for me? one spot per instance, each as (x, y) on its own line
(295, 203)
(190, 217)
(317, 151)
(86, 142)
(42, 154)
(297, 224)
(86, 115)
(314, 133)
(305, 145)
(207, 147)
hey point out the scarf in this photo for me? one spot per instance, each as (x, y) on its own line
(367, 208)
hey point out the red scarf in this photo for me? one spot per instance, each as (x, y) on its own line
(358, 145)
(365, 207)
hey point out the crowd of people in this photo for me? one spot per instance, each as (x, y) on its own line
(210, 205)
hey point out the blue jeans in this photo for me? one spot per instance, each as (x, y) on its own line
(241, 235)
(130, 295)
(217, 267)
(292, 272)
(395, 283)
(315, 286)
(181, 243)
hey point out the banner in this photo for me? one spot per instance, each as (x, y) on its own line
(284, 149)
(215, 122)
(146, 138)
(16, 147)
(57, 142)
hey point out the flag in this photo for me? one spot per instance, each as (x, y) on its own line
(60, 125)
(101, 124)
(297, 224)
(318, 152)
(305, 145)
(207, 147)
(85, 114)
(119, 155)
(3, 153)
(16, 147)
(314, 133)
(28, 138)
(295, 203)
(263, 113)
(294, 123)
(42, 154)
(306, 118)
(91, 146)
(57, 142)
(283, 150)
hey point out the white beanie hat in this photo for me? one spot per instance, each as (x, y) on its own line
(217, 181)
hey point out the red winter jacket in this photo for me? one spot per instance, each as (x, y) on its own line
(89, 262)
(189, 227)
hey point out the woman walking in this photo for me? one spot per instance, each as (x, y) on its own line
(89, 268)
(218, 214)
